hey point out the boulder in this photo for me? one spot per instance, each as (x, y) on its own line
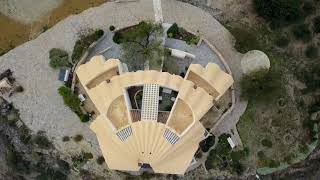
(253, 61)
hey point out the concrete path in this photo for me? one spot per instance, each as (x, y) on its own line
(157, 11)
(42, 108)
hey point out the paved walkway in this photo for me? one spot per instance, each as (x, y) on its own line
(42, 108)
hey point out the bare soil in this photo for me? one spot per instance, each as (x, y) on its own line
(14, 33)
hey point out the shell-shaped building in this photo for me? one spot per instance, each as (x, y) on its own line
(150, 118)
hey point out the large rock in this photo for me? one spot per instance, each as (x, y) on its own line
(253, 61)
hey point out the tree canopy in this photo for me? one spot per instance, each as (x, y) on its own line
(141, 43)
(279, 12)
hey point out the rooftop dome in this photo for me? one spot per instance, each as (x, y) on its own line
(254, 60)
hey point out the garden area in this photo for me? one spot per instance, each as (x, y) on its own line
(141, 44)
(177, 32)
(222, 157)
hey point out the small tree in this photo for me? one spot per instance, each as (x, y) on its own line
(173, 30)
(59, 58)
(141, 43)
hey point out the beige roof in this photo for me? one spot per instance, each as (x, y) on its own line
(214, 80)
(168, 146)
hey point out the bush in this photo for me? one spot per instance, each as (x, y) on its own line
(302, 32)
(282, 41)
(87, 155)
(19, 89)
(279, 12)
(206, 144)
(112, 28)
(65, 138)
(262, 85)
(266, 143)
(308, 7)
(73, 102)
(117, 38)
(58, 58)
(245, 40)
(50, 173)
(78, 138)
(83, 44)
(311, 52)
(316, 24)
(42, 141)
(100, 160)
(173, 30)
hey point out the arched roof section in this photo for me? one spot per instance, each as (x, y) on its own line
(97, 70)
(214, 80)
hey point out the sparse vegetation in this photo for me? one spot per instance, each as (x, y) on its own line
(83, 44)
(41, 141)
(302, 32)
(262, 85)
(279, 12)
(245, 39)
(308, 7)
(81, 159)
(179, 33)
(282, 41)
(59, 58)
(316, 24)
(73, 102)
(78, 138)
(311, 52)
(266, 143)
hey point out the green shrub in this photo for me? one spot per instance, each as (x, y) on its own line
(206, 144)
(73, 102)
(273, 163)
(42, 141)
(117, 38)
(52, 174)
(239, 155)
(100, 160)
(87, 155)
(173, 30)
(308, 7)
(65, 138)
(245, 40)
(302, 32)
(262, 85)
(83, 44)
(279, 12)
(59, 58)
(316, 24)
(261, 155)
(112, 28)
(311, 52)
(282, 41)
(266, 143)
(78, 138)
